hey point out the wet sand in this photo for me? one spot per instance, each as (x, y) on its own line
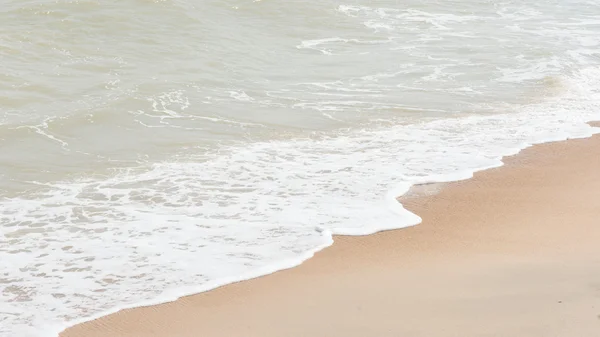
(515, 251)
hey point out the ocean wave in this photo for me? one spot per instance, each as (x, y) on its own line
(251, 207)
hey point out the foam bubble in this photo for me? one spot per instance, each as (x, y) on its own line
(153, 233)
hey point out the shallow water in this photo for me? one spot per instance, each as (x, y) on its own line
(150, 149)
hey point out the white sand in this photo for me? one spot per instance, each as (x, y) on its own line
(513, 252)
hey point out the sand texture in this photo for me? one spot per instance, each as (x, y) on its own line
(515, 251)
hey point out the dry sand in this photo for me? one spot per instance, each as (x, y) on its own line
(513, 252)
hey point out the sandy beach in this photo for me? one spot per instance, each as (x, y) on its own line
(515, 251)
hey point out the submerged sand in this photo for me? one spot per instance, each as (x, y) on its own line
(515, 251)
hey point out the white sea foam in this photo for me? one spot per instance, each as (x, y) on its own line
(176, 225)
(327, 45)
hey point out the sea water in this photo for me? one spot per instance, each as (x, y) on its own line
(153, 149)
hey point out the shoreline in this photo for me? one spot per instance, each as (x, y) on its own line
(328, 262)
